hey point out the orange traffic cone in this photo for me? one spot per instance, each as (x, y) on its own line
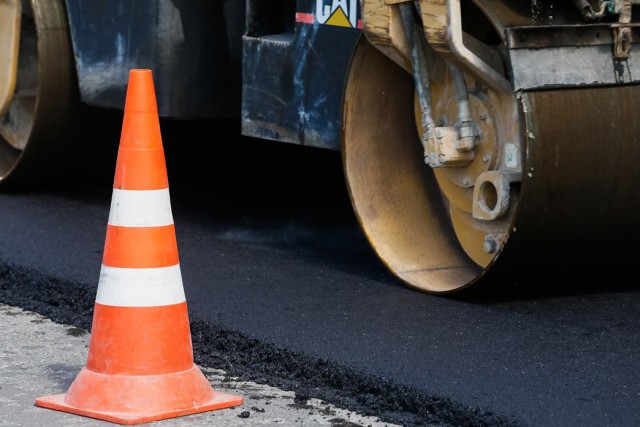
(140, 364)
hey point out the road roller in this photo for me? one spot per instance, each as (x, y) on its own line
(479, 138)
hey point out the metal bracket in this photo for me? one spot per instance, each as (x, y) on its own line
(491, 197)
(443, 150)
(622, 39)
(443, 29)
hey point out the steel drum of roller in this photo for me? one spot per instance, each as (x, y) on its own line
(548, 184)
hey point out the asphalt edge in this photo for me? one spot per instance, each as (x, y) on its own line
(248, 359)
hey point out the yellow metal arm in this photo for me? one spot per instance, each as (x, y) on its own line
(10, 11)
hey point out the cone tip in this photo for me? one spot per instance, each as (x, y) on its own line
(141, 97)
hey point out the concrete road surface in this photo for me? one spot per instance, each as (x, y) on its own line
(39, 357)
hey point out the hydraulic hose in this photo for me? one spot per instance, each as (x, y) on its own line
(420, 71)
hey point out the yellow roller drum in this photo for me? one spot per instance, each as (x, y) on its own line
(576, 202)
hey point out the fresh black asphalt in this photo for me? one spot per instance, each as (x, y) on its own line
(282, 288)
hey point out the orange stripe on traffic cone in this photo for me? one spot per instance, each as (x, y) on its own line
(140, 363)
(140, 247)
